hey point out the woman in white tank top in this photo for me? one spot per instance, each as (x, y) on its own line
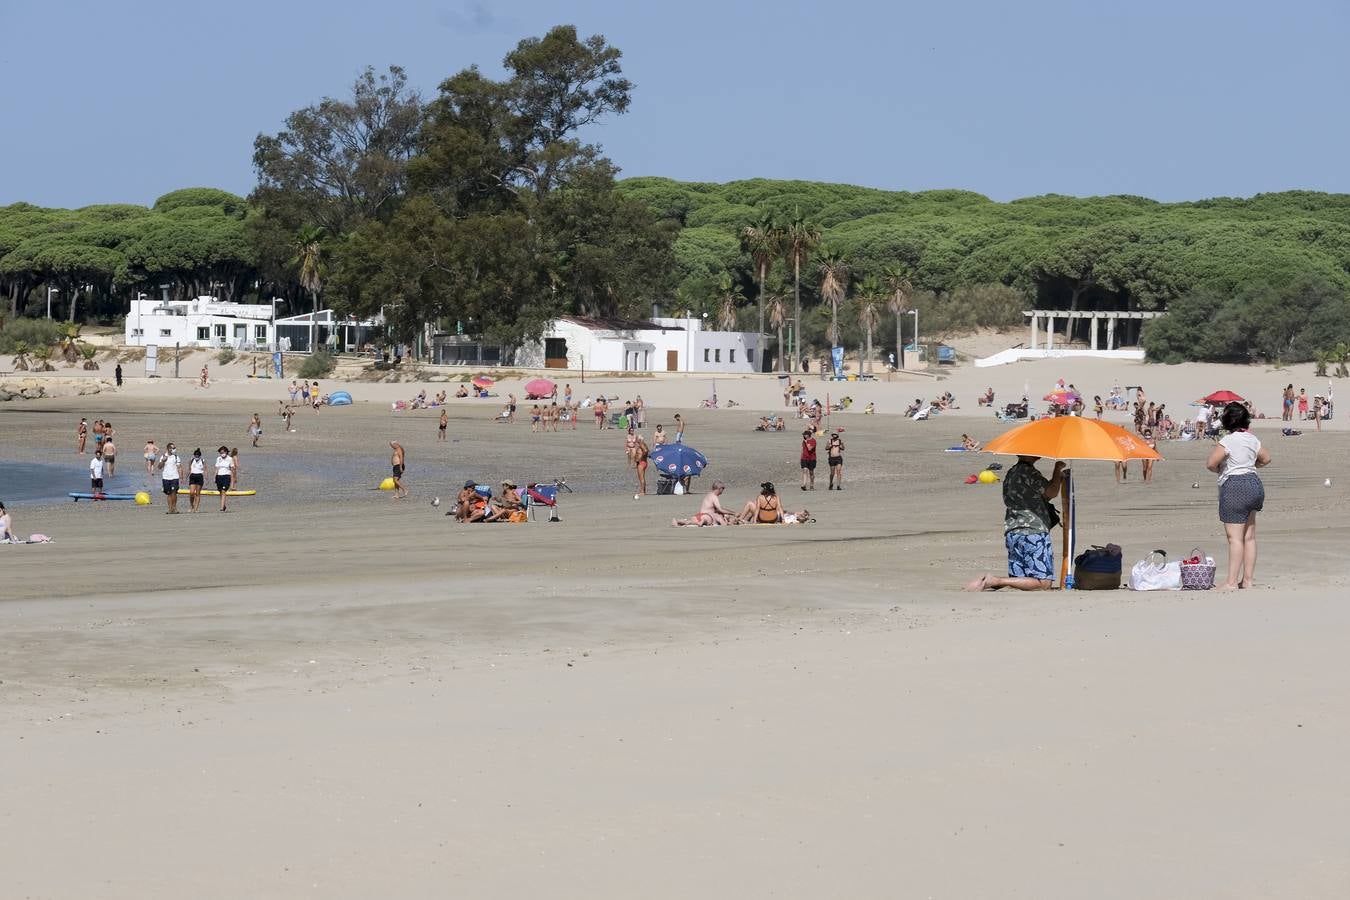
(1235, 460)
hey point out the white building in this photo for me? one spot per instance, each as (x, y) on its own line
(651, 345)
(203, 322)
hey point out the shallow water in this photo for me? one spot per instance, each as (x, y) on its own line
(22, 482)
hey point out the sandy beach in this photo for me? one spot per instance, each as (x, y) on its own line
(330, 693)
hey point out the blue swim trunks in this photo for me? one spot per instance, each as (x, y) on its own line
(1030, 555)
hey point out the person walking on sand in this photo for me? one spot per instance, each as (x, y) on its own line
(679, 428)
(196, 480)
(442, 425)
(397, 465)
(236, 471)
(255, 428)
(81, 435)
(170, 471)
(834, 454)
(151, 455)
(206, 378)
(808, 460)
(224, 475)
(641, 453)
(110, 456)
(1028, 518)
(1235, 460)
(117, 374)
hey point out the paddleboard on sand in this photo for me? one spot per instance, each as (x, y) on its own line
(85, 495)
(215, 493)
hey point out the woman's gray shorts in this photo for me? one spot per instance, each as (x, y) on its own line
(1239, 497)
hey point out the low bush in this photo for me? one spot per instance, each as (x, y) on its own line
(319, 364)
(33, 332)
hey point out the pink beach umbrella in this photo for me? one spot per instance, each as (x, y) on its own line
(540, 387)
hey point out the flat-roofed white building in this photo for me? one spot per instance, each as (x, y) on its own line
(640, 345)
(200, 322)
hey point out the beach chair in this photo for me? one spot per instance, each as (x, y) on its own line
(542, 495)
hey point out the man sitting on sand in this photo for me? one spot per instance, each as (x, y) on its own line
(1026, 524)
(470, 506)
(711, 512)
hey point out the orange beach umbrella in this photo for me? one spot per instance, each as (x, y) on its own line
(1071, 437)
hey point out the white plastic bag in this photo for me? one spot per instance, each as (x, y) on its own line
(679, 487)
(1155, 573)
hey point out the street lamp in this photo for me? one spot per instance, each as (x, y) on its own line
(140, 333)
(915, 314)
(50, 291)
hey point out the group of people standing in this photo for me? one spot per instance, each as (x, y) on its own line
(171, 468)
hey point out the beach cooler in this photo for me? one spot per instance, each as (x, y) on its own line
(1098, 569)
(665, 485)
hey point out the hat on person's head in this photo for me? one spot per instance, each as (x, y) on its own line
(508, 483)
(470, 483)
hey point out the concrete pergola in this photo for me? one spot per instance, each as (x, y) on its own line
(1095, 315)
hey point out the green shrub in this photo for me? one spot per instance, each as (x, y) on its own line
(225, 357)
(33, 332)
(320, 364)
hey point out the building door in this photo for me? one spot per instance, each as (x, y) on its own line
(555, 353)
(672, 360)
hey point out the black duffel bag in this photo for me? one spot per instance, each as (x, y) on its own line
(1098, 569)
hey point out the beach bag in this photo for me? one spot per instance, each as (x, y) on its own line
(678, 489)
(1197, 572)
(1155, 573)
(1098, 569)
(518, 516)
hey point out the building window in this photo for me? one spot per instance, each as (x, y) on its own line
(204, 333)
(137, 332)
(731, 355)
(717, 355)
(166, 332)
(260, 332)
(220, 332)
(706, 353)
(750, 356)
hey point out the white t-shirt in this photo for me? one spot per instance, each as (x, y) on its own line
(224, 466)
(1203, 415)
(96, 467)
(171, 466)
(196, 466)
(1242, 447)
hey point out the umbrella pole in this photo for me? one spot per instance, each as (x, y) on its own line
(1066, 526)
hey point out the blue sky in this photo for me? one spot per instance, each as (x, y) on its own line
(1174, 100)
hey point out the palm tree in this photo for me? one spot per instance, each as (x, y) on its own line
(728, 297)
(869, 299)
(775, 304)
(89, 351)
(21, 352)
(309, 262)
(43, 354)
(898, 289)
(833, 271)
(70, 335)
(763, 240)
(800, 240)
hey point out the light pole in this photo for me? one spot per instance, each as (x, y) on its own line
(50, 291)
(915, 314)
(140, 298)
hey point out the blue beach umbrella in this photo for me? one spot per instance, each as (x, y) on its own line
(677, 460)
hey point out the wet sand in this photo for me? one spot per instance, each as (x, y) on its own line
(327, 692)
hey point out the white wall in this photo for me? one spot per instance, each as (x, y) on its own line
(646, 349)
(148, 323)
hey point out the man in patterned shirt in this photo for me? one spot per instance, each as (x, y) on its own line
(1026, 526)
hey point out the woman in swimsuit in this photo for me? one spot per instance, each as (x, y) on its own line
(766, 509)
(151, 454)
(640, 456)
(630, 444)
(834, 453)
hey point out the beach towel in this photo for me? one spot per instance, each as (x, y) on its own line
(32, 539)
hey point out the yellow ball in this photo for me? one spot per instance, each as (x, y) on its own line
(387, 484)
(142, 498)
(988, 477)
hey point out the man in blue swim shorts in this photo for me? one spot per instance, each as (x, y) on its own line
(1029, 516)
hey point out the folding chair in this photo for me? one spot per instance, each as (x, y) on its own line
(545, 495)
